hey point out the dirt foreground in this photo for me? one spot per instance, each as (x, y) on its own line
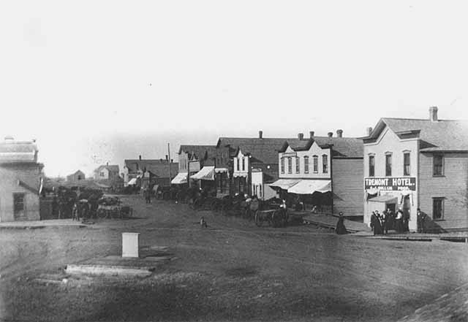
(231, 271)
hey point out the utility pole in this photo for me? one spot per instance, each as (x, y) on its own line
(169, 156)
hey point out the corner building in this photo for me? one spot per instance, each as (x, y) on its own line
(418, 163)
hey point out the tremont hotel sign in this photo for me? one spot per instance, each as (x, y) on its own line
(391, 183)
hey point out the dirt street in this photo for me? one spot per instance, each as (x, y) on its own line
(230, 271)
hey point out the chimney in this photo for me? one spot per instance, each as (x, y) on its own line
(300, 136)
(330, 134)
(433, 114)
(369, 131)
(9, 138)
(260, 134)
(311, 134)
(339, 133)
(139, 157)
(107, 163)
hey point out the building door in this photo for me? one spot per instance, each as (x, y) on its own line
(392, 207)
(19, 206)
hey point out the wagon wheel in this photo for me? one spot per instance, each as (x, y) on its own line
(101, 213)
(258, 219)
(276, 219)
(115, 213)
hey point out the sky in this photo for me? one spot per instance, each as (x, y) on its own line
(103, 81)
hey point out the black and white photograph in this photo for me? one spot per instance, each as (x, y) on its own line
(234, 161)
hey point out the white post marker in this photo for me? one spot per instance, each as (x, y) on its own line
(130, 244)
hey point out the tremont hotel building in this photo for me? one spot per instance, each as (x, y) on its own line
(418, 163)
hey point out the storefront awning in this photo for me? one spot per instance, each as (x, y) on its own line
(307, 187)
(180, 178)
(132, 181)
(284, 183)
(384, 198)
(240, 174)
(221, 170)
(206, 173)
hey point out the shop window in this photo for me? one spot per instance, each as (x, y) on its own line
(306, 164)
(18, 203)
(438, 208)
(388, 165)
(406, 164)
(315, 158)
(289, 164)
(282, 165)
(297, 165)
(438, 165)
(325, 163)
(371, 165)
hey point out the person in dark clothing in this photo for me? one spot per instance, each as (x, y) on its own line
(375, 223)
(385, 222)
(340, 227)
(421, 221)
(399, 221)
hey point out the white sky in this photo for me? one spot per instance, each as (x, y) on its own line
(100, 81)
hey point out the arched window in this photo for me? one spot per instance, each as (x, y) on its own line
(289, 164)
(306, 164)
(297, 165)
(282, 164)
(315, 158)
(325, 163)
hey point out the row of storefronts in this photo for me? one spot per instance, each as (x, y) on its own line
(402, 164)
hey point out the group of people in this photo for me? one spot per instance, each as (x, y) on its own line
(381, 223)
(388, 220)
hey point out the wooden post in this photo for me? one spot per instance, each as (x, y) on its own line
(169, 156)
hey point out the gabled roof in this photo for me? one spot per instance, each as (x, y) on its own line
(342, 147)
(201, 152)
(159, 168)
(441, 135)
(264, 150)
(18, 151)
(112, 168)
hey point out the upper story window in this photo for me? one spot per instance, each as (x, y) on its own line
(243, 164)
(282, 164)
(325, 163)
(406, 164)
(238, 164)
(371, 165)
(306, 164)
(315, 158)
(297, 165)
(289, 165)
(388, 165)
(438, 165)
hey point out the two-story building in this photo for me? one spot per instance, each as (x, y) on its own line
(253, 164)
(323, 171)
(20, 182)
(205, 165)
(418, 163)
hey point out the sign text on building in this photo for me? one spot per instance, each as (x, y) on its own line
(394, 183)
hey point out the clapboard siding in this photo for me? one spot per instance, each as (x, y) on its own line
(452, 186)
(348, 190)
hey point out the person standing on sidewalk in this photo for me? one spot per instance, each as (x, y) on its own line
(421, 221)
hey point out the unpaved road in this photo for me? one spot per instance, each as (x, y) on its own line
(232, 271)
